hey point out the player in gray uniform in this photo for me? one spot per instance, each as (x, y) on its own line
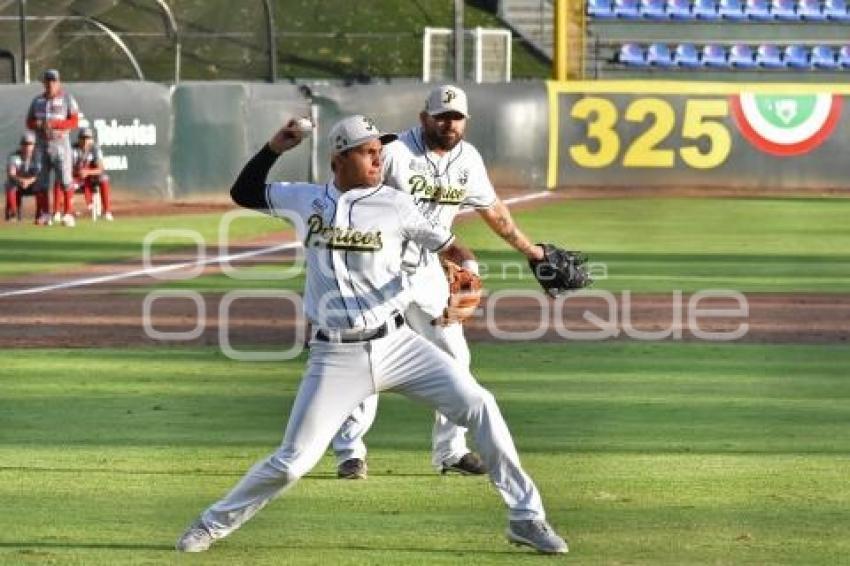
(353, 230)
(444, 173)
(90, 174)
(52, 115)
(22, 170)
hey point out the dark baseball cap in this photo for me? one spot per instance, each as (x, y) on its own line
(86, 133)
(50, 75)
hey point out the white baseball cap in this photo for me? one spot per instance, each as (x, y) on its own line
(355, 130)
(446, 98)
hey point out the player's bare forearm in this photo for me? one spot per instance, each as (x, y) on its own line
(499, 219)
(457, 253)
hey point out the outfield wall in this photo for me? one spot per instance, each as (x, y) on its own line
(174, 142)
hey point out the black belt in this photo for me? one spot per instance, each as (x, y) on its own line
(346, 336)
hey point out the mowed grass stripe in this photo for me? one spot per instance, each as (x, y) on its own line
(661, 453)
(658, 246)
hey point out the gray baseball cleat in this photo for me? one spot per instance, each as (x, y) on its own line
(537, 534)
(352, 469)
(469, 465)
(196, 538)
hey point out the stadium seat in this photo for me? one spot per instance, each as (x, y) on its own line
(741, 57)
(836, 10)
(686, 55)
(844, 57)
(784, 10)
(731, 9)
(758, 10)
(631, 54)
(601, 9)
(653, 9)
(714, 56)
(823, 57)
(627, 9)
(659, 55)
(796, 57)
(769, 57)
(679, 9)
(705, 10)
(810, 10)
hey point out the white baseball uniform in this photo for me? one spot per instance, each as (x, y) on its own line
(355, 290)
(440, 185)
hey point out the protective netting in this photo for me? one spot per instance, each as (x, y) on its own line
(97, 40)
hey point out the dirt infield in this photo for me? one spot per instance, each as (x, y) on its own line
(111, 313)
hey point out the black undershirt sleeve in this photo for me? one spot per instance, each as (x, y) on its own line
(249, 189)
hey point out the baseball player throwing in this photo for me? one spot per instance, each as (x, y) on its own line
(52, 115)
(443, 172)
(353, 231)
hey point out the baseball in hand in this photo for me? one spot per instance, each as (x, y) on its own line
(305, 125)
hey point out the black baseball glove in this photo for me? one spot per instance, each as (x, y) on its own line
(560, 270)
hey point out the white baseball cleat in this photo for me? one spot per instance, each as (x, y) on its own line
(69, 220)
(108, 216)
(537, 534)
(196, 538)
(57, 217)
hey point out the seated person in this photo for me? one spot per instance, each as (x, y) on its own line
(22, 170)
(89, 172)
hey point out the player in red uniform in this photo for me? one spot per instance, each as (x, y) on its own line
(52, 114)
(89, 172)
(22, 170)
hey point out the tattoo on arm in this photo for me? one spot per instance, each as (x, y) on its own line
(499, 219)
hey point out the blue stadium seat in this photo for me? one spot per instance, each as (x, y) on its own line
(627, 9)
(836, 10)
(844, 57)
(810, 10)
(714, 56)
(679, 9)
(784, 10)
(769, 57)
(741, 57)
(653, 9)
(659, 55)
(758, 10)
(823, 57)
(731, 9)
(601, 9)
(686, 55)
(796, 57)
(632, 54)
(705, 10)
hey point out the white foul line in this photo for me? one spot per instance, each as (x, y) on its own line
(146, 272)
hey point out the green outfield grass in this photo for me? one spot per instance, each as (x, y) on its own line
(29, 249)
(661, 245)
(646, 453)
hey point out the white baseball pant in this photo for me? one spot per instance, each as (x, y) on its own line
(338, 378)
(448, 440)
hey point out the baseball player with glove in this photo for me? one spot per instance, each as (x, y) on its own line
(353, 231)
(52, 115)
(443, 172)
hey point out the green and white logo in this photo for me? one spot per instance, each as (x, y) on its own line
(786, 124)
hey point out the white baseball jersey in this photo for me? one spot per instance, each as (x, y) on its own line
(60, 111)
(440, 185)
(353, 245)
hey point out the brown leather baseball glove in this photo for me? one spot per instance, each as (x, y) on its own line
(464, 294)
